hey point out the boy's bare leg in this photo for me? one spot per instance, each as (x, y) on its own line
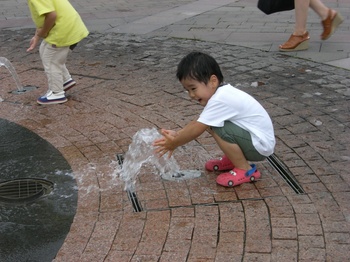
(233, 152)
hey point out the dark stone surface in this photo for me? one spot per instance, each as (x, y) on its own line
(34, 230)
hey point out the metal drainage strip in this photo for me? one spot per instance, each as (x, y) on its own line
(287, 176)
(131, 195)
(24, 189)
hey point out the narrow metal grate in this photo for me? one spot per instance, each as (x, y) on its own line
(131, 195)
(25, 189)
(134, 201)
(287, 176)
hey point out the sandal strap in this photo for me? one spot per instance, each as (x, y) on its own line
(251, 171)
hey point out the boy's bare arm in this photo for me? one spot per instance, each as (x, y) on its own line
(190, 132)
(50, 19)
(170, 142)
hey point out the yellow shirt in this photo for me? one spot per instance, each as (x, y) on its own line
(68, 29)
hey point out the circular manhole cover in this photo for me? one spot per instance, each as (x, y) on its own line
(24, 189)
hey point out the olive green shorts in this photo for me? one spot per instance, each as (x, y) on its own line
(236, 135)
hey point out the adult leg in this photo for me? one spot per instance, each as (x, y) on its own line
(320, 9)
(330, 18)
(301, 12)
(299, 40)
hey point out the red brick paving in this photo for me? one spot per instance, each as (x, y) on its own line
(129, 84)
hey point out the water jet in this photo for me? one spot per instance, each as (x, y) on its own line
(20, 89)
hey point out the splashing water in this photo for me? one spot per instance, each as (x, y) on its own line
(141, 151)
(6, 63)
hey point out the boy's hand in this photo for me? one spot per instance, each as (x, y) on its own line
(169, 132)
(33, 43)
(171, 139)
(164, 144)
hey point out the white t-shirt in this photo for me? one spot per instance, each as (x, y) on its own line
(231, 104)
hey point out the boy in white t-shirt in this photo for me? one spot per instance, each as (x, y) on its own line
(61, 28)
(239, 124)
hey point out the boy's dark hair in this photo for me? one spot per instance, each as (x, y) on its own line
(199, 66)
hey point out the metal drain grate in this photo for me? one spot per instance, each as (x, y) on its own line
(131, 195)
(24, 189)
(24, 89)
(183, 175)
(287, 176)
(134, 201)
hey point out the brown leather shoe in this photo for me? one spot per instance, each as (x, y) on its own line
(296, 43)
(330, 24)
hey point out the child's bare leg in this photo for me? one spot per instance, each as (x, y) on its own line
(233, 152)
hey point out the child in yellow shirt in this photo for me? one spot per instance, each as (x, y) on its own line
(61, 28)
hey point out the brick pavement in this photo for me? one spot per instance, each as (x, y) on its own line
(126, 83)
(234, 22)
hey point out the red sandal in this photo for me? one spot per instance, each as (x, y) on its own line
(220, 164)
(238, 176)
